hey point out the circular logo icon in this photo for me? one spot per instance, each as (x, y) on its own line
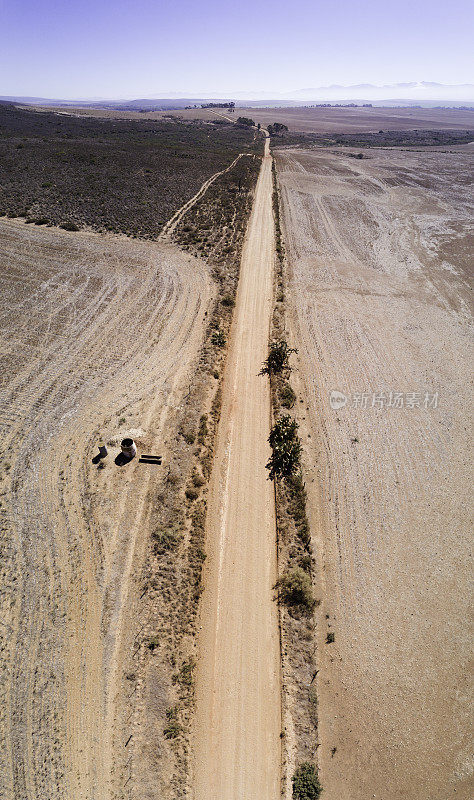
(337, 400)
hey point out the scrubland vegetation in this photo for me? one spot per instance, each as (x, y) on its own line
(215, 226)
(111, 175)
(390, 138)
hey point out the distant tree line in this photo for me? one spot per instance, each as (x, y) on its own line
(344, 105)
(218, 105)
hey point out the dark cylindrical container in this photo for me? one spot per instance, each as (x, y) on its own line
(129, 448)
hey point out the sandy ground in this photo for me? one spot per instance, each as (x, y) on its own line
(238, 677)
(311, 120)
(99, 335)
(378, 255)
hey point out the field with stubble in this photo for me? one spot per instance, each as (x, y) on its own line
(378, 295)
(100, 339)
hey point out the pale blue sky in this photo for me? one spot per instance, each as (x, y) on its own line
(120, 48)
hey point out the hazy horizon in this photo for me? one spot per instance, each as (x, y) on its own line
(423, 91)
(109, 51)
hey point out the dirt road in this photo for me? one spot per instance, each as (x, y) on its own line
(238, 681)
(379, 297)
(99, 334)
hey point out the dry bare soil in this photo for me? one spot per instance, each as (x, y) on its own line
(353, 120)
(100, 335)
(308, 120)
(378, 254)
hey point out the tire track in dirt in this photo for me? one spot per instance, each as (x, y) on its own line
(238, 717)
(176, 218)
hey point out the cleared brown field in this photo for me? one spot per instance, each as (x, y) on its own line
(339, 120)
(99, 336)
(378, 253)
(309, 120)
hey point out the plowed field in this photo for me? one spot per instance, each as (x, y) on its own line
(378, 253)
(99, 335)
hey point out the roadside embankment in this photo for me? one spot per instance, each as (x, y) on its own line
(296, 565)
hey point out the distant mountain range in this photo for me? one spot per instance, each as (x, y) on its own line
(423, 93)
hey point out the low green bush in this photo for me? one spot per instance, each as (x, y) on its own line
(185, 675)
(286, 448)
(306, 785)
(166, 539)
(287, 396)
(296, 494)
(295, 588)
(313, 705)
(305, 562)
(188, 436)
(202, 430)
(278, 358)
(172, 730)
(191, 493)
(218, 338)
(69, 226)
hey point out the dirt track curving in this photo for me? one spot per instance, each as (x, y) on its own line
(238, 680)
(378, 253)
(176, 218)
(99, 334)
